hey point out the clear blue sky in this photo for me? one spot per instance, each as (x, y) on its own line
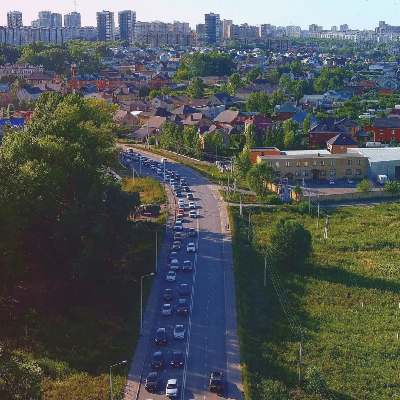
(358, 14)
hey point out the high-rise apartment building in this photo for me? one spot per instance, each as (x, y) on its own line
(44, 18)
(212, 24)
(225, 23)
(56, 20)
(127, 22)
(72, 19)
(105, 26)
(14, 19)
(344, 27)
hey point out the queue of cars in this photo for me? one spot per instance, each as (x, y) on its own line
(170, 307)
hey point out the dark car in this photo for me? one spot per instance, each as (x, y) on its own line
(192, 232)
(216, 382)
(187, 266)
(152, 381)
(186, 188)
(177, 359)
(168, 294)
(161, 337)
(158, 360)
(183, 307)
(184, 289)
(190, 196)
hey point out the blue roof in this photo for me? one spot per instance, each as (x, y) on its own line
(33, 90)
(4, 87)
(301, 116)
(14, 122)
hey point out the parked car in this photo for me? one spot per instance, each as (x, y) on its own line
(192, 205)
(192, 214)
(172, 388)
(158, 360)
(152, 381)
(190, 196)
(181, 203)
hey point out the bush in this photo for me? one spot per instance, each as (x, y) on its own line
(363, 186)
(316, 381)
(392, 187)
(54, 369)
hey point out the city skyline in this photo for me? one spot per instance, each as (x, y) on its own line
(357, 14)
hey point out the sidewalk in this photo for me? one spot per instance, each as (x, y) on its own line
(132, 387)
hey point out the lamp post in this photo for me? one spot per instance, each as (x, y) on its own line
(112, 366)
(141, 300)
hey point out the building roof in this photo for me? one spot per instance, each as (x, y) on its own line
(286, 108)
(14, 122)
(386, 123)
(378, 154)
(342, 140)
(301, 116)
(185, 109)
(223, 97)
(226, 116)
(156, 112)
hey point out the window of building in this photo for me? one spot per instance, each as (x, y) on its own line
(298, 163)
(332, 172)
(322, 163)
(393, 139)
(287, 163)
(381, 131)
(306, 163)
(393, 131)
(305, 173)
(297, 173)
(349, 162)
(332, 162)
(314, 163)
(358, 162)
(349, 171)
(277, 164)
(322, 173)
(358, 171)
(269, 163)
(381, 139)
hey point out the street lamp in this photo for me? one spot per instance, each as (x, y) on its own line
(112, 366)
(141, 300)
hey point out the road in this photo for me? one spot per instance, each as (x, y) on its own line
(210, 342)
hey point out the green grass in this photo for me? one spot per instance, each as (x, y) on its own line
(346, 301)
(150, 190)
(234, 197)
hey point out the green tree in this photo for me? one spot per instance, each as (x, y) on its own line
(22, 105)
(306, 124)
(277, 97)
(217, 139)
(30, 104)
(207, 140)
(291, 136)
(144, 91)
(253, 74)
(273, 77)
(195, 89)
(234, 83)
(251, 137)
(258, 175)
(154, 93)
(259, 102)
(165, 90)
(289, 244)
(364, 186)
(10, 110)
(242, 164)
(392, 186)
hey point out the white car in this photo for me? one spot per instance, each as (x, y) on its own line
(172, 388)
(191, 248)
(192, 214)
(181, 203)
(179, 332)
(174, 266)
(192, 205)
(166, 310)
(171, 276)
(178, 226)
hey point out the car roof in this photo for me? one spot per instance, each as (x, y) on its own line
(173, 381)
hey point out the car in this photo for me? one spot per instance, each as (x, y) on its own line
(191, 248)
(157, 361)
(192, 214)
(161, 337)
(332, 182)
(152, 381)
(183, 307)
(216, 382)
(183, 183)
(178, 236)
(350, 181)
(184, 289)
(173, 255)
(192, 232)
(171, 276)
(181, 203)
(179, 332)
(177, 359)
(168, 294)
(166, 310)
(167, 177)
(192, 205)
(172, 181)
(172, 388)
(180, 217)
(187, 266)
(181, 211)
(186, 188)
(178, 226)
(176, 245)
(190, 196)
(178, 193)
(174, 265)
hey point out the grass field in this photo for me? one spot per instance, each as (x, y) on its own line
(345, 302)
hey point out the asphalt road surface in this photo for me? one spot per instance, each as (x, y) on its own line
(205, 346)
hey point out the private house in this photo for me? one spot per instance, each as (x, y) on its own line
(159, 80)
(125, 118)
(155, 112)
(221, 99)
(6, 99)
(184, 111)
(316, 164)
(385, 130)
(301, 116)
(196, 119)
(260, 122)
(321, 133)
(13, 123)
(135, 105)
(164, 102)
(285, 111)
(52, 87)
(340, 143)
(210, 130)
(230, 119)
(43, 77)
(127, 91)
(29, 93)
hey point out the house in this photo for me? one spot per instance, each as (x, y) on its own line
(13, 123)
(125, 118)
(135, 105)
(6, 99)
(127, 91)
(260, 122)
(164, 102)
(340, 143)
(184, 111)
(158, 81)
(197, 119)
(385, 130)
(230, 119)
(263, 151)
(155, 112)
(219, 99)
(210, 130)
(43, 77)
(321, 133)
(52, 87)
(29, 93)
(301, 116)
(285, 111)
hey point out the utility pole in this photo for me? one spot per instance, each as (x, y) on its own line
(133, 175)
(241, 207)
(326, 229)
(301, 355)
(265, 271)
(318, 217)
(156, 252)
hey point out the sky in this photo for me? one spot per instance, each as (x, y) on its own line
(358, 14)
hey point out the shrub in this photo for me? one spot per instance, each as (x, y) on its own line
(363, 186)
(392, 187)
(316, 381)
(54, 369)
